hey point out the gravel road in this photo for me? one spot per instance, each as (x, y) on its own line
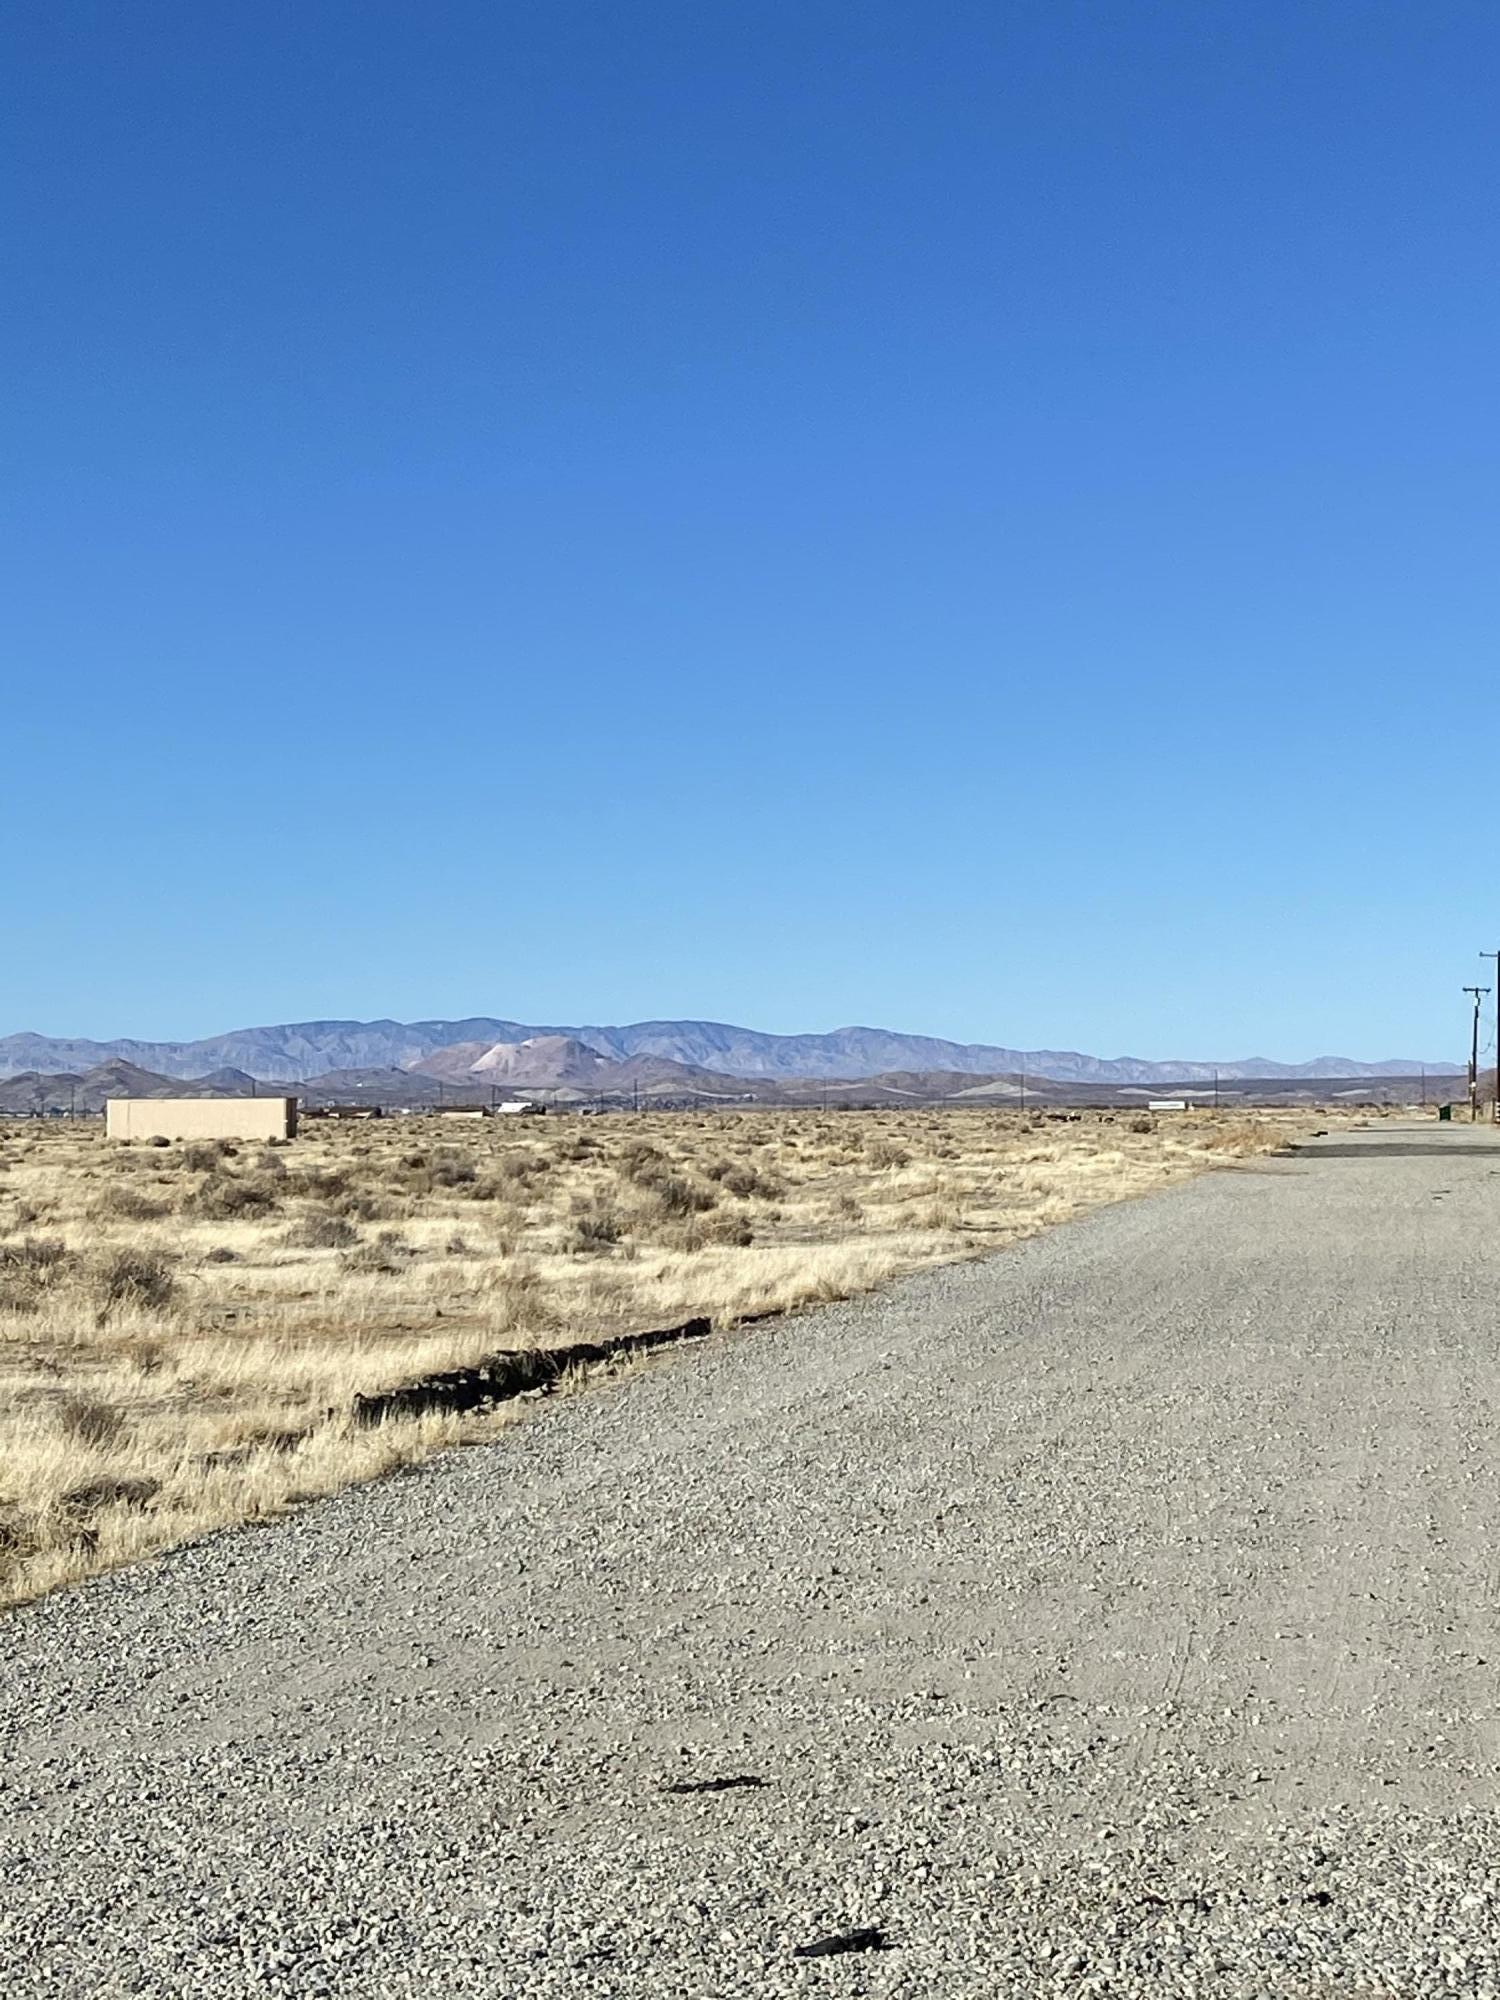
(1117, 1616)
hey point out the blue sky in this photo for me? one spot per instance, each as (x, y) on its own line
(973, 518)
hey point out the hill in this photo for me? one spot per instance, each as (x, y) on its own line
(563, 1065)
(539, 1059)
(35, 1092)
(310, 1049)
(389, 1086)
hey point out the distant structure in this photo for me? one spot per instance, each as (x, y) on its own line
(200, 1118)
(1167, 1104)
(525, 1106)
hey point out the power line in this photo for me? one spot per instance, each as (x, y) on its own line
(1478, 993)
(1495, 955)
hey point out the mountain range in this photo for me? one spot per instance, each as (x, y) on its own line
(651, 1082)
(296, 1051)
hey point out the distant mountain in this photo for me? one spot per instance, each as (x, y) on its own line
(540, 1059)
(33, 1091)
(387, 1085)
(296, 1050)
(655, 1081)
(225, 1082)
(561, 1062)
(307, 1049)
(867, 1052)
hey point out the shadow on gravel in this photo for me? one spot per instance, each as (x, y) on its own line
(502, 1376)
(1405, 1149)
(691, 1787)
(835, 1947)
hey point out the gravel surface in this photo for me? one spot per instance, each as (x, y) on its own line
(1115, 1616)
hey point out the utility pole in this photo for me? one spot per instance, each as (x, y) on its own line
(1478, 993)
(1495, 1109)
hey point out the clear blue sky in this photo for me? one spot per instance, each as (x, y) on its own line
(978, 518)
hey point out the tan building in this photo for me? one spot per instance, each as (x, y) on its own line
(200, 1118)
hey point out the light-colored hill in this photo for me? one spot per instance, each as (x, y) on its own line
(564, 1064)
(542, 1059)
(538, 1060)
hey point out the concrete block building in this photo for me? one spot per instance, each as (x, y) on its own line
(201, 1117)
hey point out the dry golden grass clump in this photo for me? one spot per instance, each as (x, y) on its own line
(184, 1328)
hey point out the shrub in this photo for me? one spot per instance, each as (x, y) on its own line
(1143, 1124)
(364, 1207)
(98, 1493)
(744, 1180)
(28, 1270)
(421, 1173)
(321, 1232)
(385, 1255)
(130, 1205)
(671, 1193)
(676, 1196)
(134, 1278)
(641, 1162)
(18, 1534)
(35, 1253)
(725, 1228)
(487, 1190)
(223, 1198)
(597, 1225)
(89, 1420)
(514, 1298)
(695, 1232)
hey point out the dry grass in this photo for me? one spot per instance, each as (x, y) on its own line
(183, 1328)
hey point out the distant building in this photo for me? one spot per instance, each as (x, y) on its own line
(1166, 1104)
(520, 1107)
(200, 1118)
